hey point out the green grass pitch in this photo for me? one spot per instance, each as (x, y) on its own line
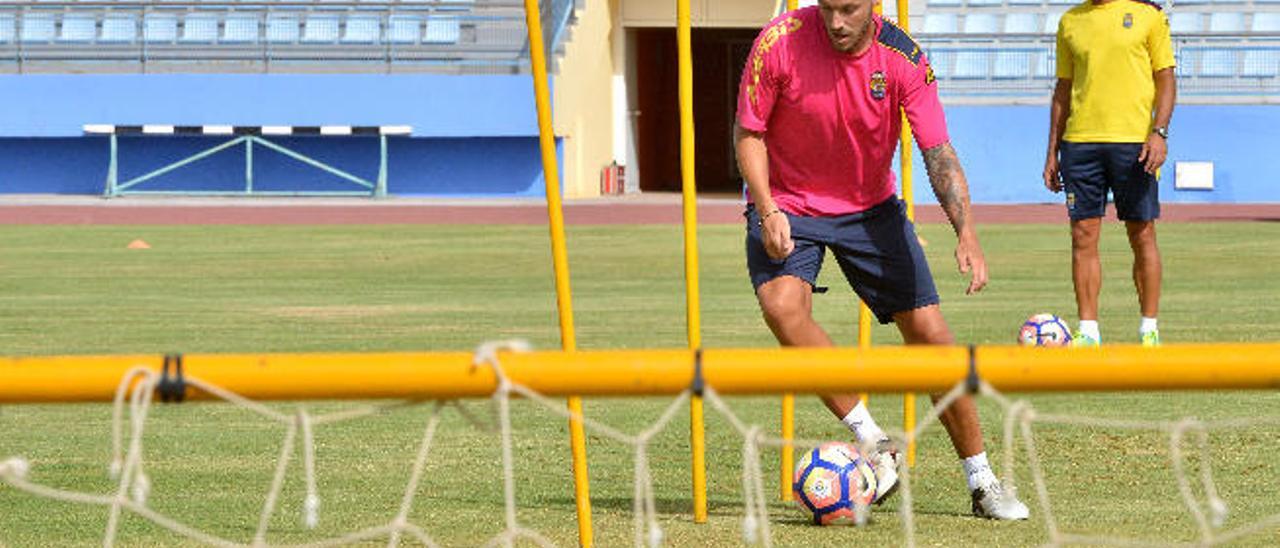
(77, 290)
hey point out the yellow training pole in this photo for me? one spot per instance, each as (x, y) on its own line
(788, 405)
(908, 196)
(453, 375)
(697, 434)
(560, 257)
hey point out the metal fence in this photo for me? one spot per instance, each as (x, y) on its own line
(1013, 68)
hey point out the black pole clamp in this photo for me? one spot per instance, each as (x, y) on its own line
(698, 384)
(971, 381)
(172, 386)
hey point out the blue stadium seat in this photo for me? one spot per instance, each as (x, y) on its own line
(362, 29)
(78, 27)
(1046, 65)
(1063, 2)
(1226, 21)
(941, 62)
(38, 27)
(971, 64)
(942, 3)
(1022, 23)
(1051, 20)
(441, 30)
(1266, 21)
(981, 23)
(160, 27)
(119, 28)
(1228, 1)
(240, 29)
(1025, 2)
(940, 23)
(984, 3)
(282, 29)
(1260, 63)
(1185, 61)
(199, 28)
(456, 5)
(404, 29)
(1218, 63)
(320, 29)
(1012, 65)
(1185, 22)
(7, 26)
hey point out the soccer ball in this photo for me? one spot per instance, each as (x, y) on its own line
(835, 484)
(1044, 330)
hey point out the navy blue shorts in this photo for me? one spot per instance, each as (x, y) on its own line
(877, 249)
(1089, 170)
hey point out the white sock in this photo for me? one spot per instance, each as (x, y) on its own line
(1090, 328)
(1148, 325)
(978, 471)
(862, 425)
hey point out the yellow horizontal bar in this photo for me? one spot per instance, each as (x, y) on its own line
(654, 372)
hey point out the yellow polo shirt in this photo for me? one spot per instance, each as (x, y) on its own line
(1110, 53)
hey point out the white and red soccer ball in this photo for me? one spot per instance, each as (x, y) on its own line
(834, 483)
(1044, 330)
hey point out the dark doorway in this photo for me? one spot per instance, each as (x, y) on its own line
(718, 59)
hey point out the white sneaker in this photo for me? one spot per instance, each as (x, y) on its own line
(993, 502)
(885, 462)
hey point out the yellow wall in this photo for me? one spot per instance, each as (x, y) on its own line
(583, 86)
(704, 13)
(582, 95)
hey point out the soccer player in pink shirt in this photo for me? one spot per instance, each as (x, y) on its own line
(818, 122)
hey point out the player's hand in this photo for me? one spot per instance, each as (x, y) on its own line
(1052, 180)
(776, 233)
(1154, 151)
(970, 260)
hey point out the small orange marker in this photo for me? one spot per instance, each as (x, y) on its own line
(138, 244)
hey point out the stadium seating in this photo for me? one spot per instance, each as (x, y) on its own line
(1268, 21)
(1022, 23)
(1260, 63)
(282, 29)
(240, 29)
(320, 29)
(441, 30)
(78, 27)
(404, 29)
(160, 28)
(362, 29)
(119, 28)
(199, 28)
(38, 27)
(7, 25)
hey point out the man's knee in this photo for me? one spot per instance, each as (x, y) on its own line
(1084, 234)
(784, 300)
(1142, 234)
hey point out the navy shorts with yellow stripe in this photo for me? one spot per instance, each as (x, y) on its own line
(877, 250)
(1089, 170)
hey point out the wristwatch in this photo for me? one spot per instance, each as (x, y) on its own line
(1161, 131)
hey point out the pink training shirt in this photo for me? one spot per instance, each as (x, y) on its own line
(830, 120)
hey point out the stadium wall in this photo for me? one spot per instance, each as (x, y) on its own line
(461, 124)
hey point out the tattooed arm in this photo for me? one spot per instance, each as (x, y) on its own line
(952, 190)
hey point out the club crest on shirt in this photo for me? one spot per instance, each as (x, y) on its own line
(929, 78)
(878, 85)
(1128, 20)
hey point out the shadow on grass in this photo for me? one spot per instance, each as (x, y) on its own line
(670, 506)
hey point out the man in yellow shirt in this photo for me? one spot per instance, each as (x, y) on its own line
(1115, 66)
